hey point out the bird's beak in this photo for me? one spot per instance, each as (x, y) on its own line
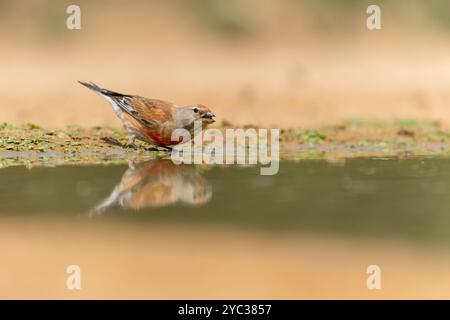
(209, 116)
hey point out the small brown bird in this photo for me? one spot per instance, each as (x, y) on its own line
(153, 120)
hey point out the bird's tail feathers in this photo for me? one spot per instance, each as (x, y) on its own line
(118, 101)
(102, 91)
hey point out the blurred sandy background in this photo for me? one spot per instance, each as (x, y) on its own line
(281, 63)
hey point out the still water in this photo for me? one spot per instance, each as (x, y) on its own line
(166, 231)
(405, 199)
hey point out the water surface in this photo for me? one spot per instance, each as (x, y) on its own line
(405, 199)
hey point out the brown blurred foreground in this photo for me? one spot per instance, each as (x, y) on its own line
(175, 262)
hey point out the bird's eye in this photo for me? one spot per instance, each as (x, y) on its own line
(195, 109)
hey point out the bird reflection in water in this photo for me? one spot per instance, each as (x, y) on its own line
(155, 184)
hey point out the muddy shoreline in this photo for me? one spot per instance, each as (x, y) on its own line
(33, 145)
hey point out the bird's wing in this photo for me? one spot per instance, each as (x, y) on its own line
(132, 180)
(150, 112)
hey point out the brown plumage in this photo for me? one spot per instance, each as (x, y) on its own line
(153, 120)
(157, 184)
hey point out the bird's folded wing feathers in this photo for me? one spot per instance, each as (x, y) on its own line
(151, 112)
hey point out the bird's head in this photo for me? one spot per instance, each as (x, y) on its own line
(200, 112)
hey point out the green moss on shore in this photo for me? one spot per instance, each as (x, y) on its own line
(31, 144)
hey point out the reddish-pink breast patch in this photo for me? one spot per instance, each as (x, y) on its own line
(161, 140)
